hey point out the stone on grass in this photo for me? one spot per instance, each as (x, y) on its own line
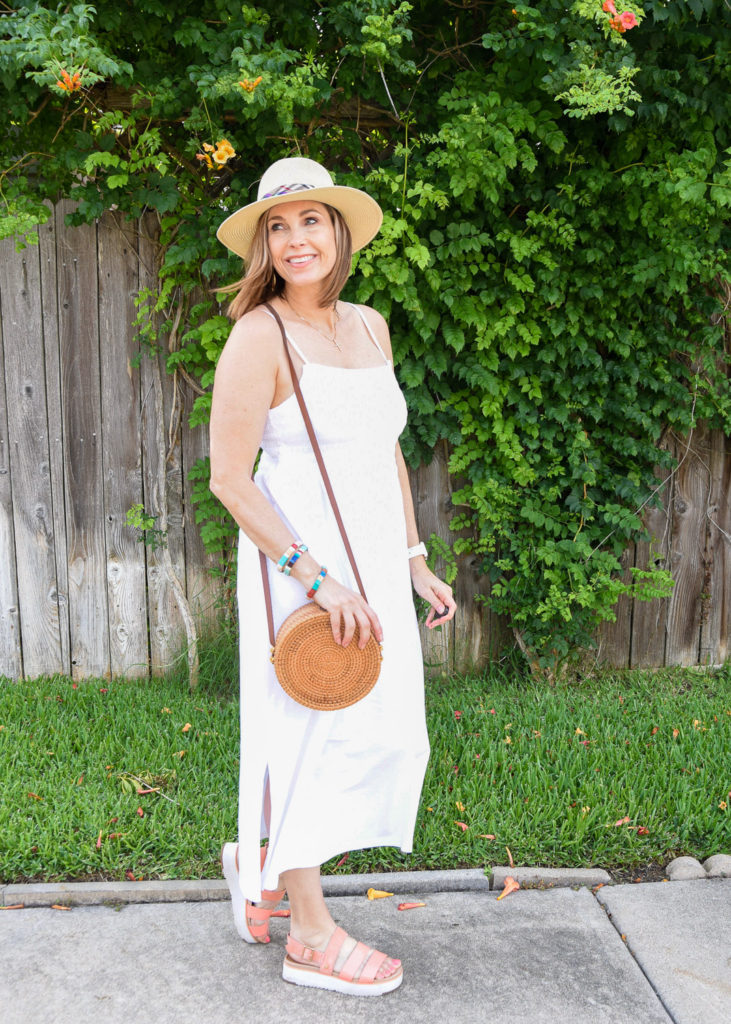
(684, 869)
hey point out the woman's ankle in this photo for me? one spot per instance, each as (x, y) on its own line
(316, 935)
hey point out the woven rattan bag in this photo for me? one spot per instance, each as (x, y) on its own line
(310, 666)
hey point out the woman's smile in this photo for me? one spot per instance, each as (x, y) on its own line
(299, 261)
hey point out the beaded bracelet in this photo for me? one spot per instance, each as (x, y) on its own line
(298, 554)
(288, 559)
(316, 585)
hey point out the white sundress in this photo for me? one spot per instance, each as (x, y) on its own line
(338, 780)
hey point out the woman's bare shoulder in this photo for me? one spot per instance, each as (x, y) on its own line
(378, 325)
(373, 317)
(253, 339)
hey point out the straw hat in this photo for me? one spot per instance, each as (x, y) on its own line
(285, 182)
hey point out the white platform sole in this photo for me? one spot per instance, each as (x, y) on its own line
(238, 903)
(311, 978)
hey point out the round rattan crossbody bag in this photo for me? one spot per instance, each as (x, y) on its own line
(310, 666)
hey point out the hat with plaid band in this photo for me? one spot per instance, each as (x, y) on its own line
(291, 180)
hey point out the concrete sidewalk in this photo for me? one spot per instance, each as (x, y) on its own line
(631, 954)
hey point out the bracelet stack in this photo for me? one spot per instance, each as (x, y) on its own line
(318, 580)
(290, 556)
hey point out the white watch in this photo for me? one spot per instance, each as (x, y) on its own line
(418, 549)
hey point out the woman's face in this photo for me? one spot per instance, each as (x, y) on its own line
(301, 241)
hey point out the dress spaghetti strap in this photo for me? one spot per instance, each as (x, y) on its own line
(293, 343)
(371, 335)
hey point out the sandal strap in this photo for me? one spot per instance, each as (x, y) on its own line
(258, 917)
(358, 956)
(324, 962)
(258, 926)
(273, 894)
(371, 969)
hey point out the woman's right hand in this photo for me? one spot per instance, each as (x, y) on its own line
(347, 610)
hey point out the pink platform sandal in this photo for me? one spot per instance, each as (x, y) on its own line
(252, 922)
(317, 969)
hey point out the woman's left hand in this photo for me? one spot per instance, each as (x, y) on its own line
(433, 590)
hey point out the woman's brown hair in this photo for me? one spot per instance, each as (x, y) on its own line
(261, 282)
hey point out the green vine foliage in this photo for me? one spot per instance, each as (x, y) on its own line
(552, 256)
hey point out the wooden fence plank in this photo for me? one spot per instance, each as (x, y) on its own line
(479, 634)
(686, 553)
(615, 638)
(29, 459)
(81, 403)
(52, 362)
(649, 618)
(166, 629)
(203, 586)
(11, 659)
(120, 408)
(716, 614)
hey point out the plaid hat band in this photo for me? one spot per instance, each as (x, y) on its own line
(283, 190)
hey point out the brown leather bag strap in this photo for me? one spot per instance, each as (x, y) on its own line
(267, 597)
(325, 480)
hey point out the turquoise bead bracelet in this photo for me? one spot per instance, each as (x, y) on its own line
(316, 585)
(298, 554)
(290, 556)
(286, 556)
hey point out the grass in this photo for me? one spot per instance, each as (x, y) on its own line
(619, 771)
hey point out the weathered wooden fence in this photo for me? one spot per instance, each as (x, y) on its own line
(691, 536)
(79, 428)
(81, 432)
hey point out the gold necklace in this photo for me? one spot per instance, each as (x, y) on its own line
(315, 327)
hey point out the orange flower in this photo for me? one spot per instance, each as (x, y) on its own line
(208, 161)
(378, 894)
(510, 886)
(69, 83)
(410, 906)
(250, 86)
(461, 825)
(223, 152)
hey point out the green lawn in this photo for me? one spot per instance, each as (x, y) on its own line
(550, 773)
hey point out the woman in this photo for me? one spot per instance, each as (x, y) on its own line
(318, 782)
